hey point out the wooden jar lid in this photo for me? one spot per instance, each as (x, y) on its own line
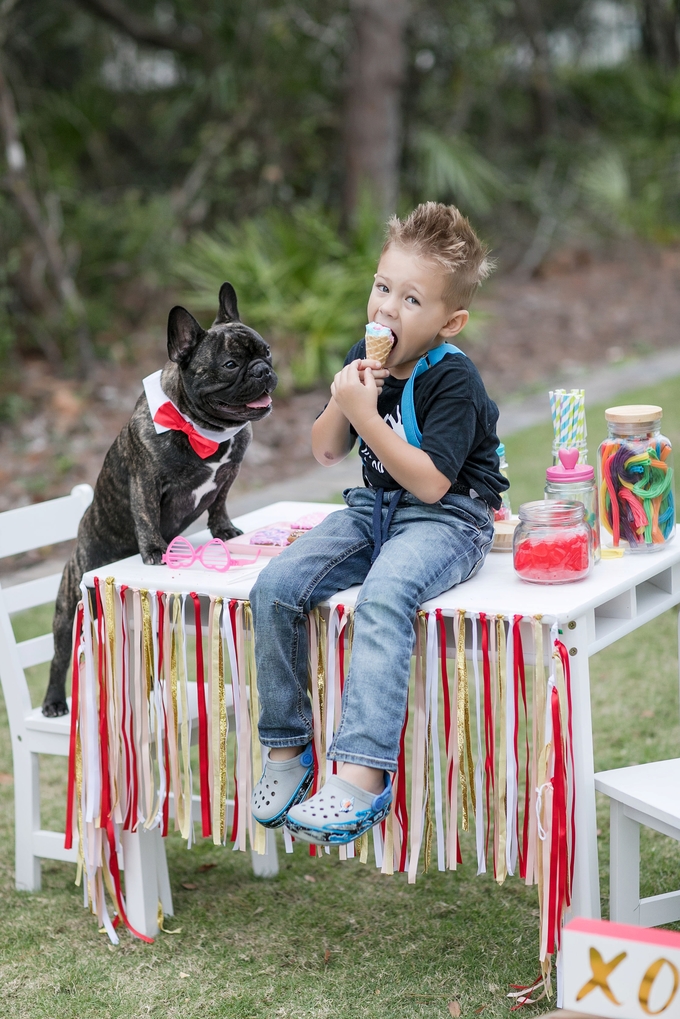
(633, 414)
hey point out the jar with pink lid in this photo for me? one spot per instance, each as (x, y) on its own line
(571, 481)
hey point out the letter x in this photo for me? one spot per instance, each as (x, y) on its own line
(601, 971)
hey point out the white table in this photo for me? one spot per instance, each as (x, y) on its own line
(618, 597)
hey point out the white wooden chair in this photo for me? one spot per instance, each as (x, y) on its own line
(146, 874)
(647, 794)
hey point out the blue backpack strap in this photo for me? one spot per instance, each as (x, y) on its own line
(414, 436)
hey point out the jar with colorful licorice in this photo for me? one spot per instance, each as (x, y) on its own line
(636, 480)
(571, 481)
(553, 543)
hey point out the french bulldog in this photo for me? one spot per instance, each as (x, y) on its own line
(164, 470)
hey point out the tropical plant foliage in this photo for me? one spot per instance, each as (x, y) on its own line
(209, 143)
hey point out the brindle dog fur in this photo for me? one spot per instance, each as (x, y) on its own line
(144, 495)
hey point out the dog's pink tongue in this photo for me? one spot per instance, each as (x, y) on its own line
(262, 401)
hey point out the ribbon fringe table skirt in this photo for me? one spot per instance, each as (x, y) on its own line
(486, 743)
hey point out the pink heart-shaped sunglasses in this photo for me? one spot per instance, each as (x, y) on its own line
(214, 555)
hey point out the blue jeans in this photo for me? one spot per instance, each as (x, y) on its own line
(429, 549)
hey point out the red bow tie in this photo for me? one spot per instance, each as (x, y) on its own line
(168, 416)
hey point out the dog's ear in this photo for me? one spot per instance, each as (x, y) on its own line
(228, 306)
(184, 332)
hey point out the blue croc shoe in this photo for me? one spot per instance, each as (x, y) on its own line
(339, 813)
(283, 784)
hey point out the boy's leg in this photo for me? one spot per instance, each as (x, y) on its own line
(335, 555)
(429, 550)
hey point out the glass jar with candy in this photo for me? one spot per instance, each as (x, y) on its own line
(553, 543)
(572, 481)
(635, 476)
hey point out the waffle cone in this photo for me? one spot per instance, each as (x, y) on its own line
(378, 348)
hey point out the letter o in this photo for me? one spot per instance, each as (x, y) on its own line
(647, 982)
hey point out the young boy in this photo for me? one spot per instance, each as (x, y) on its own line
(422, 524)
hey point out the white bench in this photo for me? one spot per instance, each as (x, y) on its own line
(32, 734)
(647, 794)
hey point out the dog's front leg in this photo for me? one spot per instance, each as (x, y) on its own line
(145, 503)
(218, 518)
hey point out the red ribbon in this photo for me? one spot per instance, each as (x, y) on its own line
(130, 821)
(400, 805)
(106, 820)
(168, 416)
(564, 656)
(561, 866)
(75, 695)
(558, 885)
(341, 651)
(105, 808)
(445, 693)
(447, 716)
(202, 721)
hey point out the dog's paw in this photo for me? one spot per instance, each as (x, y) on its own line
(153, 556)
(55, 708)
(225, 533)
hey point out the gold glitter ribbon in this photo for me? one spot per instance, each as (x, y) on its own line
(147, 641)
(465, 762)
(161, 921)
(500, 804)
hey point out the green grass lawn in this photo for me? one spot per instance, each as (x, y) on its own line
(326, 939)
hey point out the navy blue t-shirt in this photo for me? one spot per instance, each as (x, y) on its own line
(458, 422)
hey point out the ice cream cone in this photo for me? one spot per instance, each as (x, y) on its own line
(379, 342)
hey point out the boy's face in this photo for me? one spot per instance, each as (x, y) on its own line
(408, 297)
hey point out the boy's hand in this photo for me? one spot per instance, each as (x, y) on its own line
(357, 398)
(379, 374)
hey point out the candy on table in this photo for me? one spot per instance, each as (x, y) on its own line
(295, 533)
(379, 342)
(636, 491)
(552, 543)
(309, 520)
(271, 536)
(552, 560)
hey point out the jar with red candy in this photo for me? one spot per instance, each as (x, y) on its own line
(553, 543)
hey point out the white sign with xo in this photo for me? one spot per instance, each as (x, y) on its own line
(620, 971)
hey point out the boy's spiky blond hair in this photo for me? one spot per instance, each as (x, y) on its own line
(442, 234)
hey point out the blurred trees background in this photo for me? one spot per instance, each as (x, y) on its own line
(158, 147)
